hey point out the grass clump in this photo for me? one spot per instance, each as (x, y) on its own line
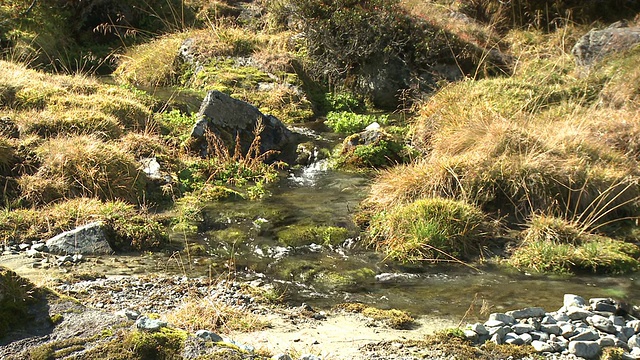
(166, 343)
(83, 166)
(130, 228)
(552, 244)
(393, 318)
(301, 235)
(207, 313)
(432, 229)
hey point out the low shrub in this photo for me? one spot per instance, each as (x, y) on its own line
(551, 244)
(206, 313)
(431, 229)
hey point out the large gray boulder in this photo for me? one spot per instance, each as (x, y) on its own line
(597, 44)
(229, 118)
(88, 239)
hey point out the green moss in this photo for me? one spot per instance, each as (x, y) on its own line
(56, 319)
(301, 235)
(347, 279)
(166, 344)
(350, 123)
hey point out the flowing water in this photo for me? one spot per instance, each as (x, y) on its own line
(245, 233)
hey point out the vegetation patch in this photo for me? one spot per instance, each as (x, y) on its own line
(166, 343)
(393, 318)
(431, 229)
(349, 280)
(213, 315)
(551, 244)
(346, 122)
(131, 229)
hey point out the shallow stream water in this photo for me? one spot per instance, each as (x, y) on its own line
(245, 233)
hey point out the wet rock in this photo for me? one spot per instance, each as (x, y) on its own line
(88, 239)
(597, 44)
(151, 325)
(585, 349)
(395, 277)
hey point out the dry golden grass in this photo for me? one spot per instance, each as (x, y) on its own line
(83, 166)
(6, 154)
(207, 313)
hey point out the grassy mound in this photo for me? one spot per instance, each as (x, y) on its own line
(131, 229)
(430, 229)
(552, 244)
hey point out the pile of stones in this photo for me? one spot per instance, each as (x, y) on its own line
(579, 328)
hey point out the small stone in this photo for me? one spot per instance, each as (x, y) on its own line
(585, 335)
(627, 331)
(550, 329)
(513, 338)
(573, 300)
(208, 335)
(471, 335)
(493, 323)
(541, 346)
(606, 341)
(540, 336)
(527, 313)
(634, 341)
(522, 328)
(603, 305)
(144, 323)
(585, 349)
(617, 320)
(497, 339)
(500, 331)
(548, 320)
(567, 330)
(23, 246)
(601, 323)
(306, 307)
(479, 329)
(526, 338)
(281, 357)
(507, 319)
(635, 325)
(77, 258)
(578, 313)
(635, 352)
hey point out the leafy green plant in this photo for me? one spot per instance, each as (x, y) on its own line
(347, 122)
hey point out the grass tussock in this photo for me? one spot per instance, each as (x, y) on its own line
(430, 229)
(16, 293)
(551, 244)
(393, 318)
(83, 166)
(130, 228)
(206, 313)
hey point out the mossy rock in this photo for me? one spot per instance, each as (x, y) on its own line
(347, 279)
(393, 318)
(301, 235)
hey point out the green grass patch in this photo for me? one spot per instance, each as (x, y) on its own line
(393, 318)
(431, 229)
(555, 245)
